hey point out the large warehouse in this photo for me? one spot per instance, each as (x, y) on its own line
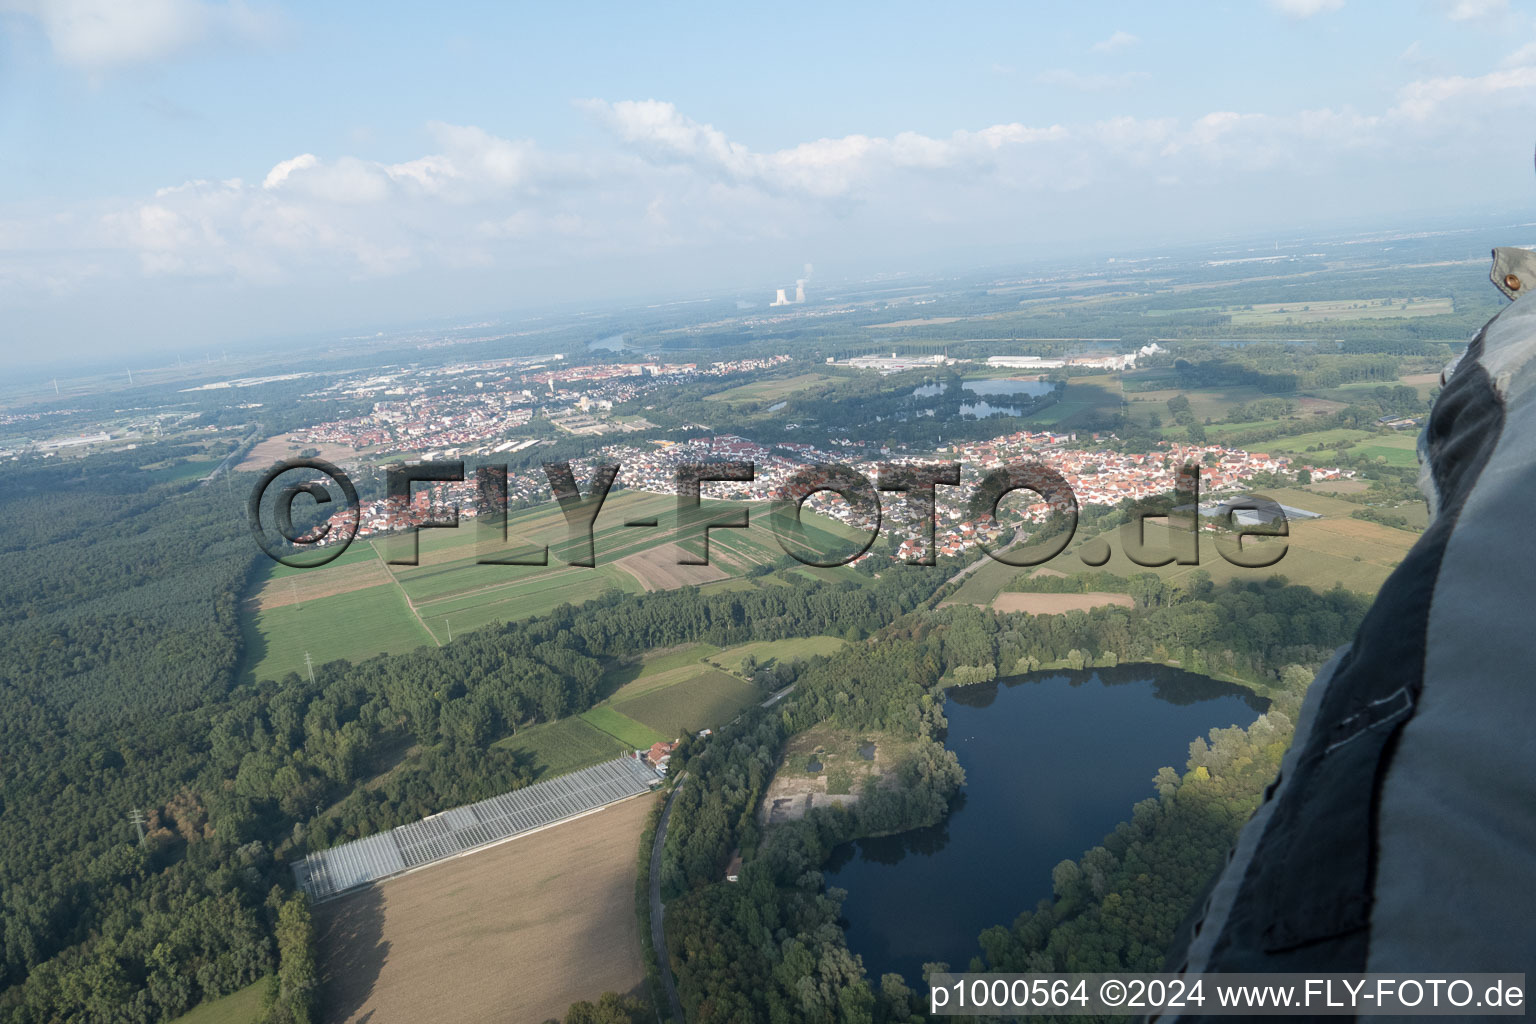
(342, 868)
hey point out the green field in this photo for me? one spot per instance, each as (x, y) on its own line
(189, 469)
(1399, 448)
(354, 626)
(1083, 397)
(451, 582)
(1216, 404)
(660, 668)
(622, 728)
(772, 390)
(1391, 454)
(240, 1007)
(766, 651)
(508, 602)
(1320, 553)
(705, 699)
(1318, 310)
(1213, 404)
(565, 745)
(1416, 512)
(356, 606)
(680, 667)
(665, 694)
(1232, 434)
(1311, 501)
(981, 586)
(1328, 439)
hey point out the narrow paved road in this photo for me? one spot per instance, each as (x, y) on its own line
(1019, 536)
(224, 465)
(658, 931)
(775, 698)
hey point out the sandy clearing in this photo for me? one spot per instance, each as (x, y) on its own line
(517, 932)
(1057, 604)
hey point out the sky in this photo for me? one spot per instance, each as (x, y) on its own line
(178, 174)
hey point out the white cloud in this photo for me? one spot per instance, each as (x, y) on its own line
(1120, 40)
(1476, 10)
(473, 154)
(825, 168)
(1305, 8)
(473, 164)
(100, 34)
(1522, 57)
(659, 131)
(659, 183)
(1420, 100)
(279, 174)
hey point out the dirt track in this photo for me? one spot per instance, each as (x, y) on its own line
(514, 933)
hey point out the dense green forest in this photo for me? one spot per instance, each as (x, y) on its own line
(119, 607)
(118, 673)
(611, 1008)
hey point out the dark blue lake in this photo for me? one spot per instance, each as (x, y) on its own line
(1053, 761)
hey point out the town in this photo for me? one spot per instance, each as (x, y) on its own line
(1095, 476)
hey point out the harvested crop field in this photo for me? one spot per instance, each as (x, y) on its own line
(275, 449)
(657, 569)
(1057, 604)
(517, 932)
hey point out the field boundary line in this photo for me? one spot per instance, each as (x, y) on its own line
(408, 603)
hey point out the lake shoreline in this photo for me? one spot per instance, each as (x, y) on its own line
(1099, 735)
